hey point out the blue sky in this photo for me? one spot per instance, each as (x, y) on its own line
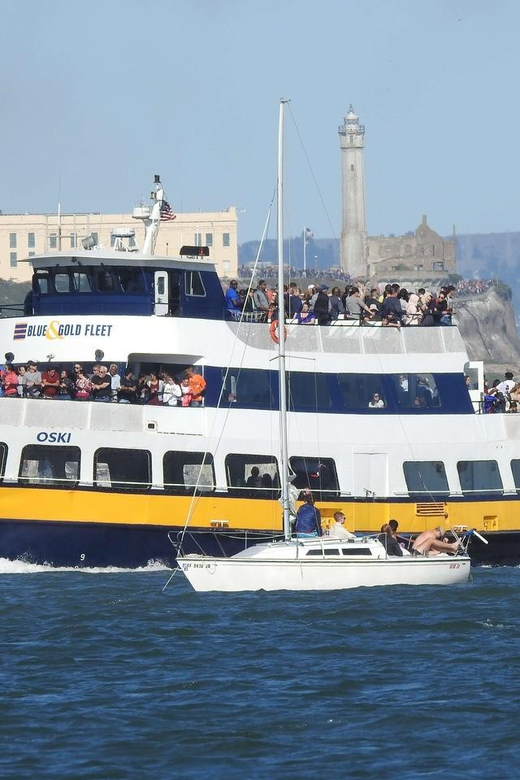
(99, 96)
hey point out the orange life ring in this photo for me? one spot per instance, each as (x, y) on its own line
(273, 328)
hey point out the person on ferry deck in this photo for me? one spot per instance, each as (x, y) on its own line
(305, 316)
(115, 382)
(337, 529)
(260, 300)
(101, 384)
(336, 304)
(155, 386)
(82, 385)
(66, 387)
(50, 383)
(127, 390)
(233, 302)
(197, 385)
(10, 381)
(33, 380)
(308, 519)
(431, 542)
(21, 381)
(376, 402)
(172, 391)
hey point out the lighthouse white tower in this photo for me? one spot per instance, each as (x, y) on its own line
(353, 232)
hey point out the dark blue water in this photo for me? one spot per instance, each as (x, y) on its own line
(105, 676)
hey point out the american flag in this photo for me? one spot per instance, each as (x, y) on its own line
(167, 212)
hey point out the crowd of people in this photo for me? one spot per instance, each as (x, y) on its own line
(393, 306)
(103, 384)
(502, 396)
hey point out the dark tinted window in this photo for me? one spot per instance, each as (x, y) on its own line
(81, 281)
(249, 387)
(130, 279)
(43, 464)
(3, 458)
(357, 390)
(307, 391)
(122, 469)
(426, 478)
(187, 472)
(106, 280)
(479, 476)
(416, 391)
(318, 474)
(253, 475)
(194, 284)
(515, 468)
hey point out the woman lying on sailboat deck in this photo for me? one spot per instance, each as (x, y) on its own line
(432, 543)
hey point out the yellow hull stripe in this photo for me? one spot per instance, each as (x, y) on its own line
(82, 506)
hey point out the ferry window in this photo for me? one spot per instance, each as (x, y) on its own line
(31, 240)
(122, 469)
(130, 279)
(317, 474)
(426, 478)
(357, 390)
(255, 476)
(81, 281)
(41, 282)
(515, 468)
(479, 476)
(3, 458)
(248, 387)
(43, 464)
(61, 282)
(105, 280)
(188, 472)
(194, 285)
(209, 239)
(307, 392)
(416, 391)
(225, 239)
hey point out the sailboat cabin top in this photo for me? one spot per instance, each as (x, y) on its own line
(124, 283)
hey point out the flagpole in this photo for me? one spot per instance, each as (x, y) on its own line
(304, 251)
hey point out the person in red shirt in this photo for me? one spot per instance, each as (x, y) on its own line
(50, 383)
(197, 385)
(10, 381)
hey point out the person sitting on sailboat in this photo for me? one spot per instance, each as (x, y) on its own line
(433, 542)
(308, 518)
(337, 529)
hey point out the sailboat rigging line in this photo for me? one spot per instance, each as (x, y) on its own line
(196, 493)
(331, 226)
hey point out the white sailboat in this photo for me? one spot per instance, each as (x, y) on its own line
(321, 563)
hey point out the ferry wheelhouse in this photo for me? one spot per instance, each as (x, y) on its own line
(110, 484)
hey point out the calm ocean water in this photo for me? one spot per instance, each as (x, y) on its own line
(105, 676)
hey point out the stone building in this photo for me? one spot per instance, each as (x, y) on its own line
(25, 235)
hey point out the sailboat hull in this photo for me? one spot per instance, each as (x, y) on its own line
(235, 574)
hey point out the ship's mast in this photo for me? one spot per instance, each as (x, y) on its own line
(151, 223)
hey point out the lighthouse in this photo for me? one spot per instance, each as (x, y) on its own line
(353, 233)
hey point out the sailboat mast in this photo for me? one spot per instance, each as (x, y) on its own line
(284, 458)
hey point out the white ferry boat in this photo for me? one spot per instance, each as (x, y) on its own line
(112, 484)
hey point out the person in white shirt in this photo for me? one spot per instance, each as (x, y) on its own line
(507, 384)
(338, 530)
(376, 402)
